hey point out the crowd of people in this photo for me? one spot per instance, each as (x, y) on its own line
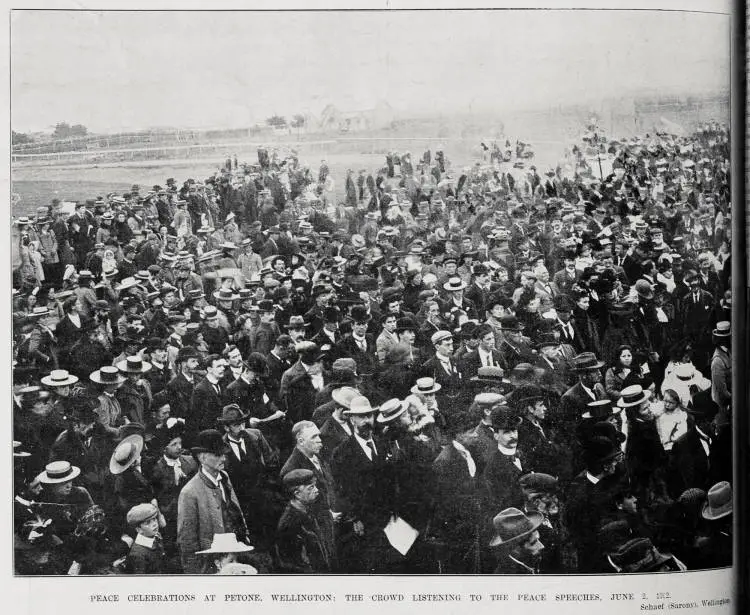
(439, 370)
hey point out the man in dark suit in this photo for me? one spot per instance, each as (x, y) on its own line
(457, 520)
(278, 361)
(575, 400)
(482, 436)
(180, 388)
(479, 291)
(363, 492)
(589, 500)
(206, 402)
(301, 382)
(336, 429)
(359, 345)
(690, 461)
(444, 373)
(484, 355)
(455, 298)
(306, 455)
(504, 468)
(250, 461)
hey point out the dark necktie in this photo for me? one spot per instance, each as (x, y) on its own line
(371, 446)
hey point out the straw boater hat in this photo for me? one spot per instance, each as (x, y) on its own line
(134, 365)
(59, 378)
(390, 410)
(107, 375)
(226, 543)
(511, 525)
(126, 454)
(633, 395)
(426, 386)
(723, 330)
(454, 284)
(58, 472)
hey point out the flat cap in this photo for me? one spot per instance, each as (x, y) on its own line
(141, 513)
(298, 478)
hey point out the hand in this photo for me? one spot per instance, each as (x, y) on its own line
(359, 528)
(254, 422)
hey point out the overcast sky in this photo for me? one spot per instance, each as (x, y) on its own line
(114, 71)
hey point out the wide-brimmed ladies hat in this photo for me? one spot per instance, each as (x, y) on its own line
(719, 502)
(426, 386)
(58, 472)
(59, 378)
(633, 395)
(390, 410)
(226, 543)
(512, 524)
(134, 365)
(108, 374)
(128, 451)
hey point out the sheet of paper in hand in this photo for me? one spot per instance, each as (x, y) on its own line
(400, 534)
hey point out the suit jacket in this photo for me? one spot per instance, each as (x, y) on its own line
(587, 505)
(332, 434)
(297, 393)
(165, 488)
(324, 480)
(276, 368)
(248, 471)
(201, 513)
(205, 407)
(180, 391)
(479, 297)
(471, 362)
(301, 545)
(458, 497)
(363, 487)
(689, 463)
(501, 482)
(384, 342)
(367, 362)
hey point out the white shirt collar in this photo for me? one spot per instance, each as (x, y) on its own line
(592, 479)
(216, 481)
(144, 541)
(363, 444)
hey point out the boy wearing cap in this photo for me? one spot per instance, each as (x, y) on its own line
(300, 546)
(146, 556)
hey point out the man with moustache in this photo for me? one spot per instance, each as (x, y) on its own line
(207, 505)
(362, 491)
(504, 469)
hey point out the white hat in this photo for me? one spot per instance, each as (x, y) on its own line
(226, 543)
